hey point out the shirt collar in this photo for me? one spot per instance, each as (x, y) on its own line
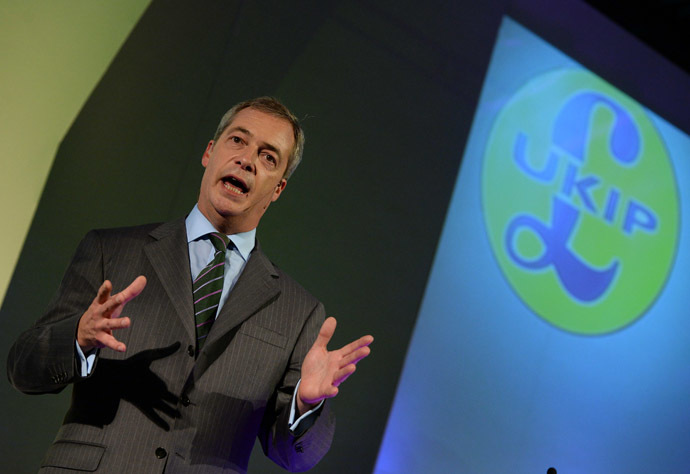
(198, 226)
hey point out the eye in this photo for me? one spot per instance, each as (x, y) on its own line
(270, 158)
(236, 139)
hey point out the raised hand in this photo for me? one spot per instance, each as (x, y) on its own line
(323, 370)
(96, 325)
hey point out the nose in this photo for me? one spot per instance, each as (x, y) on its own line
(246, 160)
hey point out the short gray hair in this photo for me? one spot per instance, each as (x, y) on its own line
(273, 107)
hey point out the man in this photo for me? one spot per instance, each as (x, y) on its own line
(160, 386)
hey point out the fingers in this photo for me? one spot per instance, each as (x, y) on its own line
(107, 340)
(116, 323)
(102, 317)
(325, 333)
(108, 308)
(363, 341)
(104, 336)
(104, 292)
(112, 306)
(332, 392)
(359, 349)
(342, 375)
(328, 369)
(356, 356)
(134, 289)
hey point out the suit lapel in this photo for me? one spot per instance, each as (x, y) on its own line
(255, 288)
(169, 255)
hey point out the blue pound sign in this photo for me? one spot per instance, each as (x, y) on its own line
(581, 280)
(571, 128)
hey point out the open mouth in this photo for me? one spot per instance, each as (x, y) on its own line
(235, 185)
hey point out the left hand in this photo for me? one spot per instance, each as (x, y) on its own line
(323, 370)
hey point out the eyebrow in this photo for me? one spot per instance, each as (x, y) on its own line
(263, 144)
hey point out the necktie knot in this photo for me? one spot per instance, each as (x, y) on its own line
(219, 241)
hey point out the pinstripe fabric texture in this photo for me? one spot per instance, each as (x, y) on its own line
(156, 408)
(207, 288)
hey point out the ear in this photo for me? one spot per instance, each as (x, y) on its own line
(279, 189)
(207, 154)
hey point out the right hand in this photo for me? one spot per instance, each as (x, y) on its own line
(96, 325)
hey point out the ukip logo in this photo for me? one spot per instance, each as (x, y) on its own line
(580, 202)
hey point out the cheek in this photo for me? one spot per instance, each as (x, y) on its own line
(205, 181)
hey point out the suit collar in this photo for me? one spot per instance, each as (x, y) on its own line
(169, 256)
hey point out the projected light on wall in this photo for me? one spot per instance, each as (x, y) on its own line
(553, 328)
(583, 215)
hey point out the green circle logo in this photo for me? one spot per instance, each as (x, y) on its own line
(580, 202)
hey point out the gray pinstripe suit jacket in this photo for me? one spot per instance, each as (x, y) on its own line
(155, 408)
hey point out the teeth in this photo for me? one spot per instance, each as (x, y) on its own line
(232, 188)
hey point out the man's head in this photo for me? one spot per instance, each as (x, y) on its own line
(257, 145)
(270, 106)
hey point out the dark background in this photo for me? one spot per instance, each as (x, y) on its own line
(386, 91)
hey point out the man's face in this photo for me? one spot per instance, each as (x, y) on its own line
(244, 170)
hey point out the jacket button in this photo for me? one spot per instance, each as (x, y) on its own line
(161, 453)
(190, 351)
(185, 401)
(299, 448)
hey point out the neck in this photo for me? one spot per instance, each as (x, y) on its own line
(229, 225)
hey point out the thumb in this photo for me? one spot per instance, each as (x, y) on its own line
(326, 332)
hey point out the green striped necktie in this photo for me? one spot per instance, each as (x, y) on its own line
(208, 287)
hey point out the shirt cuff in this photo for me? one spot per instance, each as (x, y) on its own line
(306, 419)
(86, 361)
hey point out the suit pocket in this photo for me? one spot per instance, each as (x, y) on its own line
(263, 334)
(75, 455)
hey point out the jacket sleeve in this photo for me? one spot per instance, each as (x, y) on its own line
(43, 359)
(303, 450)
